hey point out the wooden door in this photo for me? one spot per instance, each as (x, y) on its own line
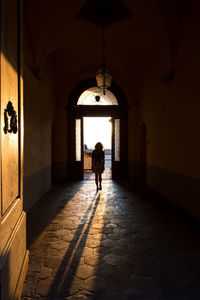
(120, 146)
(78, 162)
(13, 254)
(116, 148)
(75, 134)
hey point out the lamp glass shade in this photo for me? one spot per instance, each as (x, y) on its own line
(103, 78)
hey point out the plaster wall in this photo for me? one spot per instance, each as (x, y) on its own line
(171, 114)
(39, 113)
(60, 144)
(133, 147)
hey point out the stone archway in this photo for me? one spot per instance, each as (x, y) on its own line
(118, 113)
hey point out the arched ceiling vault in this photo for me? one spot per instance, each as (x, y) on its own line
(132, 46)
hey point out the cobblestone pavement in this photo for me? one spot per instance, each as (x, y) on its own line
(120, 243)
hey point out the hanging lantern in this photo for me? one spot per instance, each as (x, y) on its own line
(104, 13)
(103, 78)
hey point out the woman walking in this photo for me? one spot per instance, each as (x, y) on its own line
(98, 160)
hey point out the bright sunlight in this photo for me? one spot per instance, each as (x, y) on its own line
(97, 129)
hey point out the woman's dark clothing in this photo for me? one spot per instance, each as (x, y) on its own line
(98, 161)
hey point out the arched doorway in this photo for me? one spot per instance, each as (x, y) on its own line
(97, 129)
(113, 105)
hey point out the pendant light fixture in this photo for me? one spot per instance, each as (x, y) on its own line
(103, 13)
(103, 76)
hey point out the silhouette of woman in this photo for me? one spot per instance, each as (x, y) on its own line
(98, 159)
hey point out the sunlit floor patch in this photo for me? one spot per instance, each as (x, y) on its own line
(81, 256)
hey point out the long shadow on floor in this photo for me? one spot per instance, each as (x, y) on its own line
(45, 210)
(65, 274)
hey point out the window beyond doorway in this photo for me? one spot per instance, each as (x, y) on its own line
(97, 129)
(88, 97)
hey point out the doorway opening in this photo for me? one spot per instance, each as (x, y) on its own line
(97, 129)
(87, 101)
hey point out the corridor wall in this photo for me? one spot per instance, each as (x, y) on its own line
(39, 113)
(59, 164)
(171, 112)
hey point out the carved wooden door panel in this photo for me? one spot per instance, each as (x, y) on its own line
(116, 153)
(75, 134)
(119, 147)
(13, 254)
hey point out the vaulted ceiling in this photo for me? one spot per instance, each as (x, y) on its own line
(52, 32)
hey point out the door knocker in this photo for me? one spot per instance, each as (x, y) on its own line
(10, 119)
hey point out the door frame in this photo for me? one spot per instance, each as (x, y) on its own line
(74, 111)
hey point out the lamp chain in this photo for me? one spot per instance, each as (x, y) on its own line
(103, 57)
(104, 45)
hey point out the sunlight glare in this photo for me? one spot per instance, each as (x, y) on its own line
(97, 129)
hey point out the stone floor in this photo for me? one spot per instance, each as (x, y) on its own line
(120, 243)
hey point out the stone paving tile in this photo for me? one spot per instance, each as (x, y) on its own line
(105, 270)
(85, 271)
(120, 243)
